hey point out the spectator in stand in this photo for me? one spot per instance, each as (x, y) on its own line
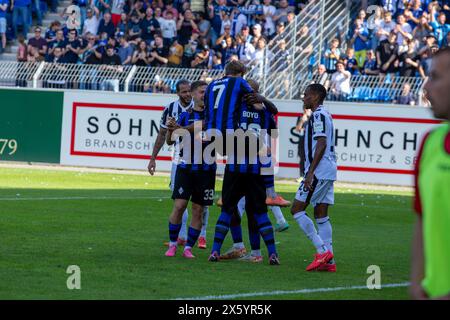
(386, 27)
(138, 9)
(413, 13)
(190, 49)
(116, 10)
(204, 26)
(359, 41)
(440, 27)
(122, 25)
(228, 48)
(141, 55)
(168, 28)
(321, 76)
(216, 12)
(175, 54)
(332, 56)
(20, 7)
(103, 5)
(257, 34)
(409, 61)
(170, 8)
(34, 56)
(22, 52)
(38, 42)
(92, 21)
(110, 57)
(37, 10)
(340, 82)
(245, 50)
(281, 63)
(406, 97)
(125, 51)
(159, 53)
(56, 56)
(387, 54)
(369, 67)
(82, 4)
(150, 26)
(422, 30)
(403, 30)
(351, 64)
(4, 4)
(282, 12)
(290, 18)
(72, 47)
(136, 30)
(106, 25)
(50, 34)
(279, 34)
(217, 61)
(89, 53)
(269, 12)
(58, 42)
(185, 26)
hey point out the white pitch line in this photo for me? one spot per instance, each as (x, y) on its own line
(283, 292)
(79, 198)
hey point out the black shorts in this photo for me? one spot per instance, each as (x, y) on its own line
(237, 185)
(197, 186)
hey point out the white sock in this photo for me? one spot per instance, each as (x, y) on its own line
(270, 192)
(205, 222)
(325, 232)
(183, 230)
(238, 245)
(307, 225)
(186, 248)
(278, 214)
(256, 253)
(241, 206)
(173, 243)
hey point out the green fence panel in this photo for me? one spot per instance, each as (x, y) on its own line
(30, 125)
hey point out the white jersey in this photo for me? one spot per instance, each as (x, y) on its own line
(320, 124)
(173, 110)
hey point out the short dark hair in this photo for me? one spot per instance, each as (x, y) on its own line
(319, 89)
(181, 83)
(234, 68)
(197, 84)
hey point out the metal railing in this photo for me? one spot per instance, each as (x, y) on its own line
(97, 77)
(306, 39)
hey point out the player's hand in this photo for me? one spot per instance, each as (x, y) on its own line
(151, 166)
(309, 181)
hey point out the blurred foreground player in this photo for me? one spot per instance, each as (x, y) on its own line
(430, 269)
(320, 174)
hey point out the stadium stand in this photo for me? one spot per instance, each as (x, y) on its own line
(145, 46)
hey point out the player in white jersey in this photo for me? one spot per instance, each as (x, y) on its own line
(173, 110)
(320, 174)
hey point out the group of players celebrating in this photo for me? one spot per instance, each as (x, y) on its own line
(220, 109)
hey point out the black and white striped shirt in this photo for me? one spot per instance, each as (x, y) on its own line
(320, 124)
(174, 109)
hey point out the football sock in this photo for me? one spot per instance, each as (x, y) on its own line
(307, 225)
(270, 192)
(236, 234)
(222, 226)
(255, 240)
(241, 206)
(256, 253)
(192, 238)
(174, 229)
(183, 231)
(278, 214)
(326, 232)
(266, 231)
(238, 245)
(205, 222)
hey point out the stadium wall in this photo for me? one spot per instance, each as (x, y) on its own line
(375, 143)
(30, 125)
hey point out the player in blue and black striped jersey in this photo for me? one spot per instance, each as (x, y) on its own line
(223, 102)
(195, 179)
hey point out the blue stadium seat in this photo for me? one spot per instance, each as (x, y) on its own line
(361, 94)
(379, 94)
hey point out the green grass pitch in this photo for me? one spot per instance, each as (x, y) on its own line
(113, 227)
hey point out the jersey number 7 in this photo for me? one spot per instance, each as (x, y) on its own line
(218, 91)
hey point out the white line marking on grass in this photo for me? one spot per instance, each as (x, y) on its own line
(287, 292)
(79, 198)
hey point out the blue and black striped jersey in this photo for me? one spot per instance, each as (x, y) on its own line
(259, 123)
(223, 100)
(196, 161)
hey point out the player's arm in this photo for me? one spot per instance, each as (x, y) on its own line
(159, 143)
(417, 263)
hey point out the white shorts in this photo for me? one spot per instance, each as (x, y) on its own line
(172, 176)
(323, 192)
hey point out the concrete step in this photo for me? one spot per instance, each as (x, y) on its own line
(8, 56)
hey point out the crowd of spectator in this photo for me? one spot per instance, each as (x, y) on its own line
(396, 39)
(399, 39)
